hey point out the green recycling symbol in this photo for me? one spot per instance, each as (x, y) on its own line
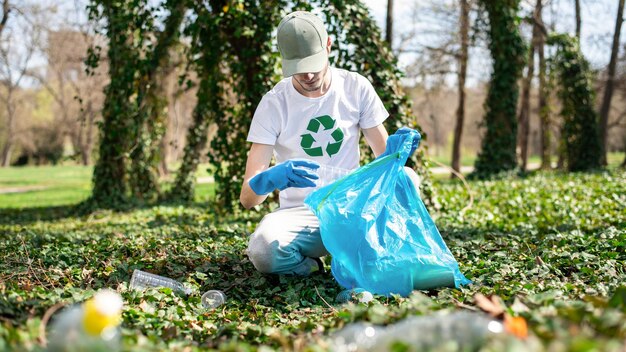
(308, 141)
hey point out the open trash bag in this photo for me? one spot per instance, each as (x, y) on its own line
(378, 230)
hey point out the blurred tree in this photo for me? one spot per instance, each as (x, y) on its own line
(523, 119)
(507, 49)
(20, 37)
(132, 111)
(125, 25)
(578, 18)
(579, 133)
(6, 8)
(544, 91)
(462, 75)
(610, 82)
(389, 24)
(76, 95)
(149, 119)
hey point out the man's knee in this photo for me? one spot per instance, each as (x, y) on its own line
(261, 252)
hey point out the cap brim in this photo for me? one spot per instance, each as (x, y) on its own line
(313, 63)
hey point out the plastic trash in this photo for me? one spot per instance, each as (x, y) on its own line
(378, 231)
(213, 299)
(329, 174)
(357, 295)
(142, 280)
(90, 326)
(459, 331)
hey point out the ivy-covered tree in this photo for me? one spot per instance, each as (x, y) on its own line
(507, 49)
(579, 134)
(134, 108)
(122, 20)
(150, 119)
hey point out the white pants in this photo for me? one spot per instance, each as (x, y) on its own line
(286, 239)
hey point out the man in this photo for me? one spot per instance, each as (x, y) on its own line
(311, 118)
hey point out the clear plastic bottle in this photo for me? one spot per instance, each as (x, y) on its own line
(91, 326)
(213, 299)
(459, 331)
(329, 174)
(142, 280)
(354, 295)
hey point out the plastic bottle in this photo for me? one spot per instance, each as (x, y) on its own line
(91, 326)
(459, 331)
(213, 299)
(329, 174)
(354, 295)
(142, 280)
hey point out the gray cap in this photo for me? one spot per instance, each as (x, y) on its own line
(302, 40)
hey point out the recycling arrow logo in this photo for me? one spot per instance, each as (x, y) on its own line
(308, 141)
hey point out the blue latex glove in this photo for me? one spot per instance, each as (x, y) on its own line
(397, 138)
(292, 173)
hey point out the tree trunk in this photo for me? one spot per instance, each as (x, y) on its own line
(6, 153)
(610, 82)
(389, 24)
(164, 150)
(87, 144)
(498, 147)
(6, 9)
(544, 93)
(462, 74)
(7, 150)
(110, 186)
(524, 115)
(152, 106)
(578, 19)
(579, 132)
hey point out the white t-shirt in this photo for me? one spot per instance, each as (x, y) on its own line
(325, 129)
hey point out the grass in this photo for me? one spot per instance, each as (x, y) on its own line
(468, 159)
(53, 186)
(551, 246)
(58, 185)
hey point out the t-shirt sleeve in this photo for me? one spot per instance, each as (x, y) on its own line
(265, 126)
(373, 112)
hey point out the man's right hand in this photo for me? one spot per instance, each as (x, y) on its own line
(395, 140)
(291, 173)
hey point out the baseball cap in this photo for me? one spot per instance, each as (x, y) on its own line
(302, 42)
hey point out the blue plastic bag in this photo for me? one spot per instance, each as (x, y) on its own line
(378, 230)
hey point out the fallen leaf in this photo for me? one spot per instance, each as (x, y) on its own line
(516, 326)
(491, 305)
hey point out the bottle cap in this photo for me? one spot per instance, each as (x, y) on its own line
(213, 298)
(357, 295)
(101, 312)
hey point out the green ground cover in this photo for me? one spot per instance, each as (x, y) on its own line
(551, 245)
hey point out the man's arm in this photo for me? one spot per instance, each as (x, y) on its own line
(376, 137)
(259, 158)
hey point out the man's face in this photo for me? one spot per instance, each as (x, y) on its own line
(312, 81)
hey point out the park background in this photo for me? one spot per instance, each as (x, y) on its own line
(135, 163)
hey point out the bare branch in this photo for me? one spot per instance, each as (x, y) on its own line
(5, 14)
